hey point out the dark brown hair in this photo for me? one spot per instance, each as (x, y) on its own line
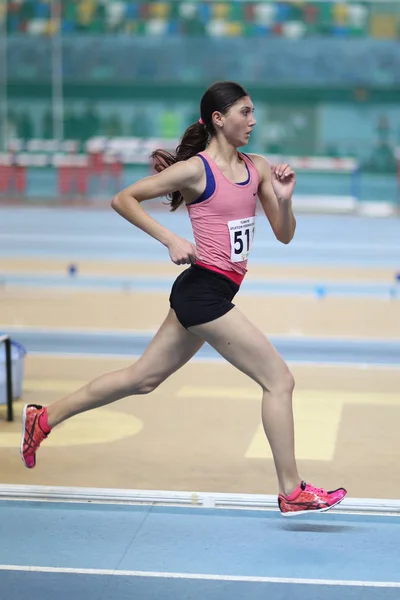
(220, 96)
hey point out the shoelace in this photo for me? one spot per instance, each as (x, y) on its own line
(319, 490)
(29, 440)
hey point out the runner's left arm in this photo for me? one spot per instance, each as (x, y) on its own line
(275, 193)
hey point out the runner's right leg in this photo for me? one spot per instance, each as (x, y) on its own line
(170, 349)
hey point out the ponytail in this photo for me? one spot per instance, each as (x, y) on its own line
(193, 141)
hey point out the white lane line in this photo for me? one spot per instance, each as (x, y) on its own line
(202, 576)
(211, 359)
(88, 237)
(295, 337)
(187, 499)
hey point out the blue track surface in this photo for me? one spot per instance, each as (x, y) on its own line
(88, 551)
(77, 234)
(163, 284)
(192, 553)
(293, 349)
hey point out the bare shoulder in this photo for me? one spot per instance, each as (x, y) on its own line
(186, 169)
(262, 165)
(188, 172)
(194, 166)
(182, 175)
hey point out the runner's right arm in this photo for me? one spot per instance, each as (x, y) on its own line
(183, 175)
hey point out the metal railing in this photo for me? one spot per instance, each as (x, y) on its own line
(5, 339)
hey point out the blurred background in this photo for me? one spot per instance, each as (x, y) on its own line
(90, 87)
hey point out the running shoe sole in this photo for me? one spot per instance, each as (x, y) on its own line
(295, 513)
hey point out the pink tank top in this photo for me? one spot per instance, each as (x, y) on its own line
(223, 224)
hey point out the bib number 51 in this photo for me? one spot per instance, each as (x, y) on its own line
(241, 234)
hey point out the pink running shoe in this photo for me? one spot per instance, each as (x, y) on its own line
(307, 498)
(32, 434)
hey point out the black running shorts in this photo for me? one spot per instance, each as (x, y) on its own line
(199, 295)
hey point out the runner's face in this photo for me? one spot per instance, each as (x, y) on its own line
(237, 124)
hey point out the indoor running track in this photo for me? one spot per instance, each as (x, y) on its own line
(113, 551)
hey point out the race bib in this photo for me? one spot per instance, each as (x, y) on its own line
(241, 233)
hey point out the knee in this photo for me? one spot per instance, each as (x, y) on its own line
(138, 383)
(144, 386)
(282, 383)
(288, 381)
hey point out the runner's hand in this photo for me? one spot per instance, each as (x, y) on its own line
(182, 252)
(283, 181)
